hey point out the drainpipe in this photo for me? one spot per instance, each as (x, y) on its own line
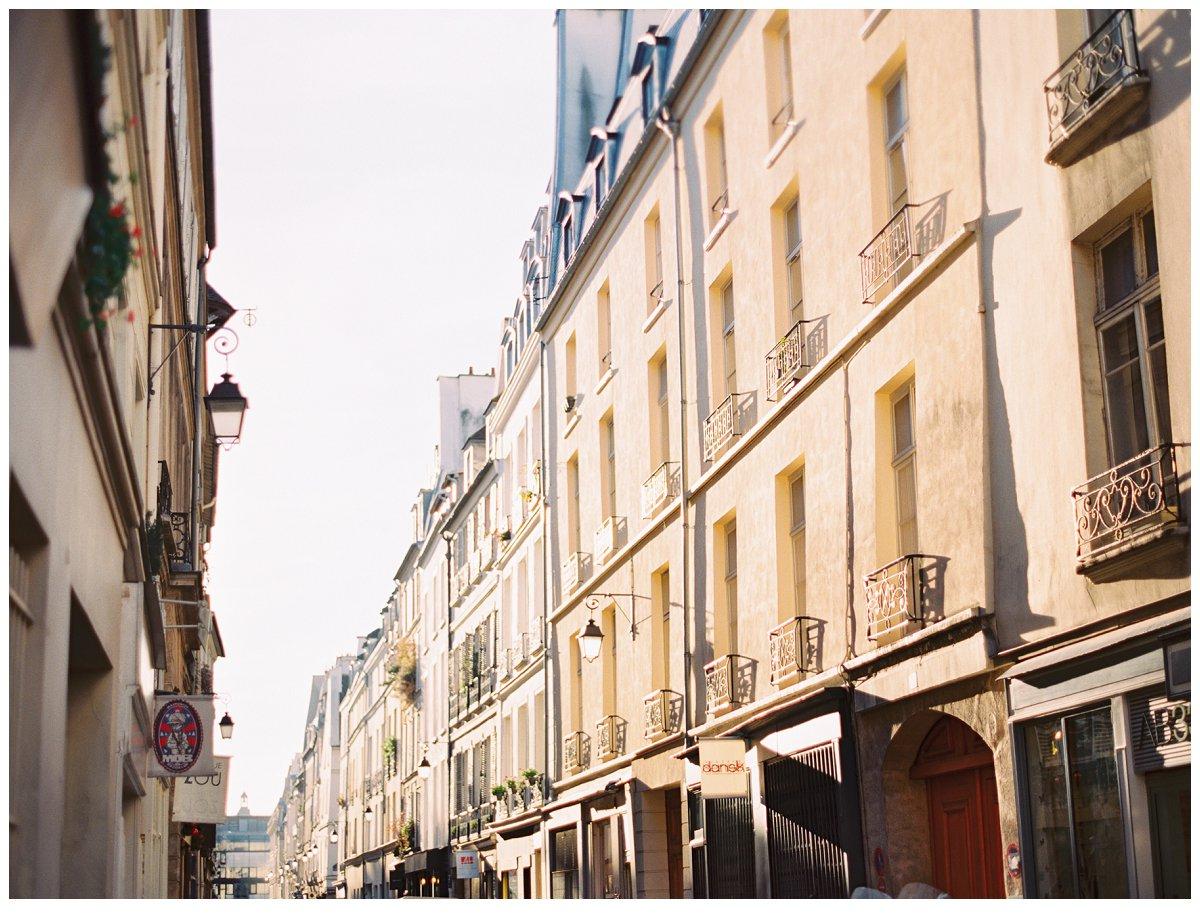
(545, 499)
(447, 536)
(198, 387)
(670, 127)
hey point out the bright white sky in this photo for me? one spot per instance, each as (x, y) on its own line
(376, 175)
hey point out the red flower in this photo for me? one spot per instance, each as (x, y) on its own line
(129, 316)
(136, 233)
(117, 210)
(133, 120)
(137, 253)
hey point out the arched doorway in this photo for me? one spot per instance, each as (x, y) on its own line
(964, 815)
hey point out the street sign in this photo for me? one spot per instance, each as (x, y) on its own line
(723, 770)
(181, 736)
(202, 798)
(466, 863)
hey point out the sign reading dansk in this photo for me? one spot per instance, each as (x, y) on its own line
(723, 769)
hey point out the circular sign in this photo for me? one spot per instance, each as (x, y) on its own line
(178, 735)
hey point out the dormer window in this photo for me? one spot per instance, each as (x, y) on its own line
(568, 238)
(649, 96)
(601, 179)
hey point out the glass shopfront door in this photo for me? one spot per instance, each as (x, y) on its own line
(1075, 809)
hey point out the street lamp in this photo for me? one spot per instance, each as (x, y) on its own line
(590, 639)
(226, 726)
(227, 407)
(424, 770)
(368, 814)
(333, 835)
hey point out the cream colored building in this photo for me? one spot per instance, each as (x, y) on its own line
(873, 233)
(113, 458)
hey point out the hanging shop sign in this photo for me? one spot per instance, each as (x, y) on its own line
(1161, 731)
(466, 864)
(181, 736)
(723, 769)
(203, 798)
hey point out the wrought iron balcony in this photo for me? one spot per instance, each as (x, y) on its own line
(728, 682)
(794, 648)
(576, 570)
(610, 737)
(888, 254)
(662, 486)
(664, 713)
(894, 597)
(607, 535)
(173, 527)
(1099, 82)
(781, 119)
(722, 426)
(577, 752)
(1126, 507)
(803, 346)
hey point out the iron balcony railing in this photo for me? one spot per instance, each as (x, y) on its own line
(576, 752)
(1115, 508)
(794, 648)
(888, 253)
(722, 426)
(610, 736)
(575, 570)
(662, 485)
(654, 296)
(175, 527)
(728, 681)
(779, 121)
(894, 598)
(606, 537)
(605, 363)
(719, 206)
(663, 711)
(1093, 72)
(804, 344)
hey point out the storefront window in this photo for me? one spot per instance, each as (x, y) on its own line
(1075, 806)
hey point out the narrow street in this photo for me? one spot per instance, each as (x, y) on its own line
(610, 454)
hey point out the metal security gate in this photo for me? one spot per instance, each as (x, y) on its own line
(729, 845)
(807, 855)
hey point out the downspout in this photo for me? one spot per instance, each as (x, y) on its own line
(670, 127)
(198, 387)
(446, 537)
(545, 498)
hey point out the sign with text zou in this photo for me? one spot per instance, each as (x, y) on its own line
(181, 737)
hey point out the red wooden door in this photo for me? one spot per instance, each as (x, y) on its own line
(964, 814)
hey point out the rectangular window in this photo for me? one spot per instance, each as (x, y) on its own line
(571, 383)
(1132, 339)
(604, 329)
(717, 168)
(574, 543)
(799, 555)
(895, 130)
(660, 595)
(778, 47)
(660, 426)
(728, 342)
(904, 467)
(564, 864)
(795, 286)
(731, 597)
(1075, 811)
(608, 446)
(609, 673)
(654, 262)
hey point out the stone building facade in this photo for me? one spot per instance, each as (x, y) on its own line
(863, 400)
(113, 458)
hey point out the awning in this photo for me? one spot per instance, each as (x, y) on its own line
(1097, 643)
(427, 860)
